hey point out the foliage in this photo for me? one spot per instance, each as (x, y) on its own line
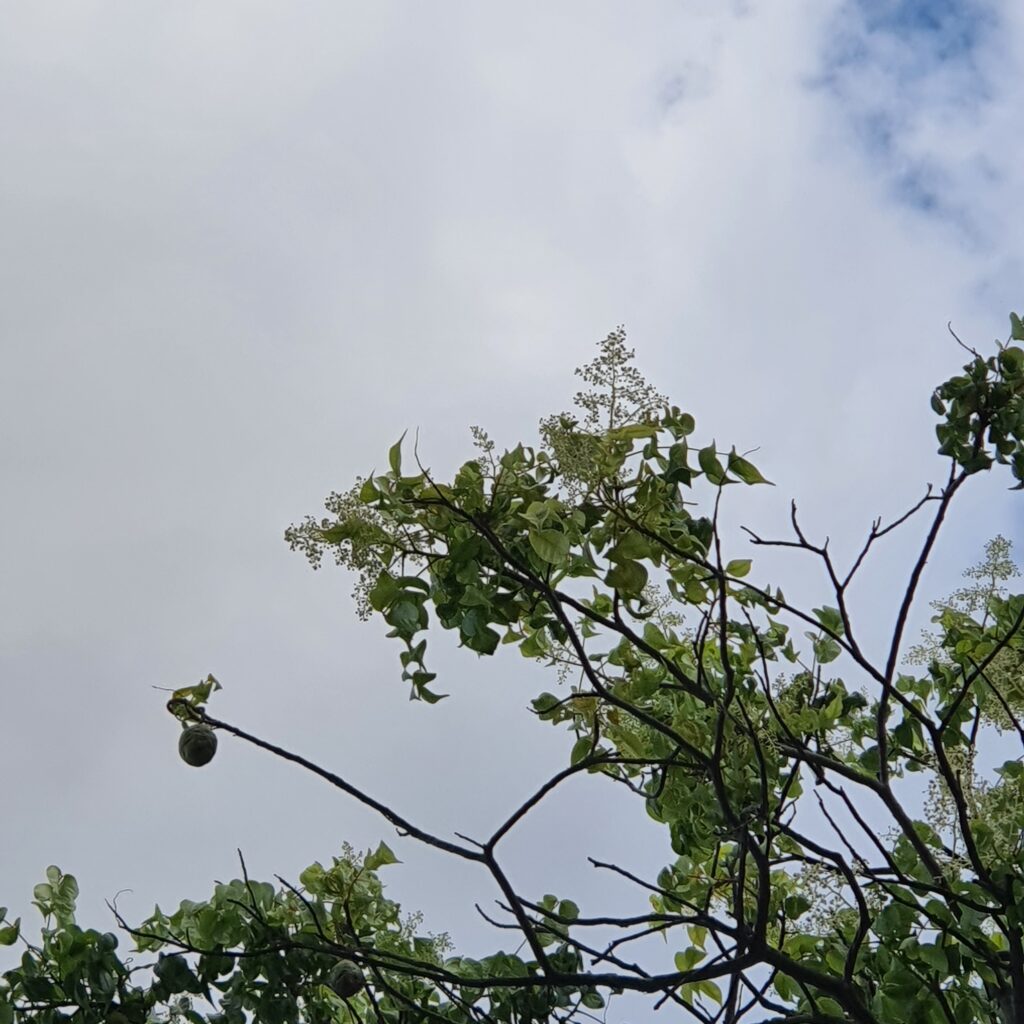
(802, 886)
(293, 936)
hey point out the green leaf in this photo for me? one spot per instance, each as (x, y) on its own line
(745, 470)
(422, 693)
(871, 759)
(568, 910)
(1011, 360)
(964, 1012)
(935, 957)
(413, 583)
(405, 616)
(1016, 327)
(551, 545)
(9, 934)
(198, 694)
(534, 646)
(678, 469)
(395, 455)
(580, 749)
(739, 567)
(654, 636)
(312, 878)
(825, 1004)
(380, 857)
(894, 920)
(785, 987)
(484, 640)
(825, 648)
(632, 545)
(338, 533)
(688, 959)
(830, 618)
(711, 990)
(631, 431)
(383, 592)
(628, 578)
(794, 906)
(709, 463)
(545, 704)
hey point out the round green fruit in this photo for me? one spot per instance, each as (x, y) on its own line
(197, 745)
(346, 979)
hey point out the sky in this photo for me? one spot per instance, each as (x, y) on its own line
(245, 246)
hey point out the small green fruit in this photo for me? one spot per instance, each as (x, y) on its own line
(346, 979)
(197, 745)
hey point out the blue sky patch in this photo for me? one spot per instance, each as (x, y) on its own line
(898, 71)
(945, 28)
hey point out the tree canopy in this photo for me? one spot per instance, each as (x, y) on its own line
(785, 760)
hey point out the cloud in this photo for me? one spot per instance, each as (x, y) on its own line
(246, 246)
(917, 84)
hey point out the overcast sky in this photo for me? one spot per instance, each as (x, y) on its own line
(243, 246)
